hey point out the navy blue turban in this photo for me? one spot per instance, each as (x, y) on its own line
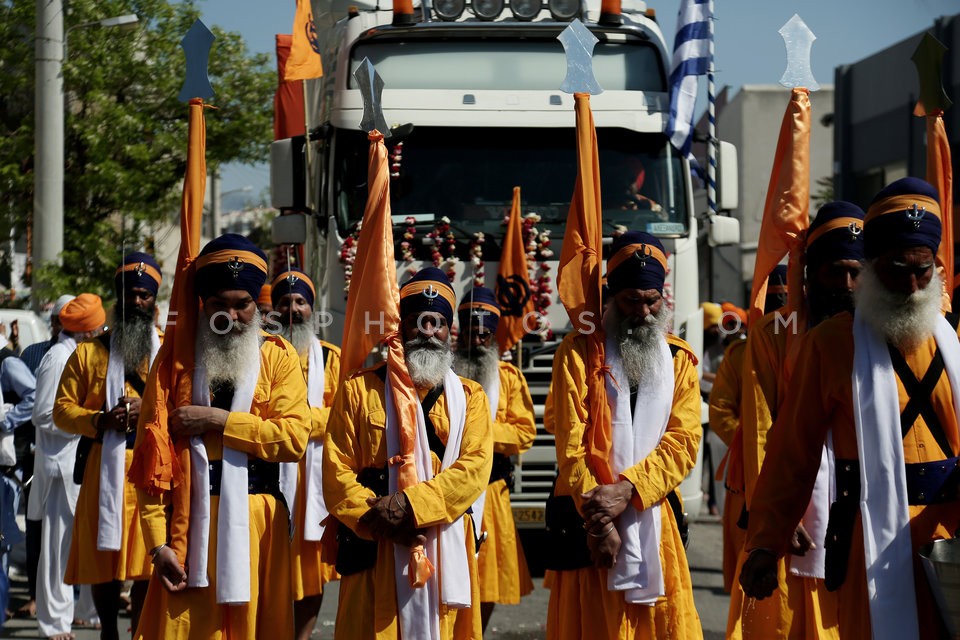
(137, 271)
(905, 214)
(479, 304)
(292, 281)
(429, 290)
(637, 261)
(230, 263)
(836, 234)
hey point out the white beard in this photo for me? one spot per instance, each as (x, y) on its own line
(428, 361)
(480, 364)
(300, 335)
(228, 356)
(639, 345)
(905, 321)
(134, 340)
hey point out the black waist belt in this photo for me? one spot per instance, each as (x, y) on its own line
(356, 554)
(502, 470)
(932, 482)
(262, 477)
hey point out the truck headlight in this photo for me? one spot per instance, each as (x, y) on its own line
(564, 10)
(449, 9)
(525, 10)
(487, 9)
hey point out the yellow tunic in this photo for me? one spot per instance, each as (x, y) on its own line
(356, 439)
(724, 421)
(81, 395)
(801, 607)
(275, 430)
(580, 604)
(311, 562)
(820, 400)
(502, 567)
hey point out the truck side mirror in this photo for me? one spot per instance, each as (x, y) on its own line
(288, 187)
(722, 230)
(728, 177)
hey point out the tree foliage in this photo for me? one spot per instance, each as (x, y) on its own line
(125, 130)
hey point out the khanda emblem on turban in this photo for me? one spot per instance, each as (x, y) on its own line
(292, 279)
(643, 254)
(140, 269)
(431, 293)
(236, 266)
(915, 215)
(513, 292)
(855, 231)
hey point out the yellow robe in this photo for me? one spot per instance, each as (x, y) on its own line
(311, 562)
(502, 567)
(724, 421)
(801, 607)
(820, 400)
(580, 604)
(275, 430)
(81, 395)
(356, 439)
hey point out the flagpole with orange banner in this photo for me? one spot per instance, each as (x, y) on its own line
(159, 465)
(373, 318)
(513, 282)
(580, 274)
(928, 59)
(304, 62)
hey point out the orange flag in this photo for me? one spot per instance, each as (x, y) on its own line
(513, 282)
(288, 107)
(579, 284)
(786, 213)
(373, 317)
(304, 61)
(158, 465)
(940, 175)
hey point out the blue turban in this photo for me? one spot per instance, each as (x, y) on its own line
(230, 263)
(905, 214)
(429, 290)
(637, 261)
(138, 270)
(480, 304)
(835, 234)
(292, 281)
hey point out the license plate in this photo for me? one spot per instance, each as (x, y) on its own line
(528, 515)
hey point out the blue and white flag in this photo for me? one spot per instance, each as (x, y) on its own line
(691, 58)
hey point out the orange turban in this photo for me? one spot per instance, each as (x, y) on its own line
(265, 295)
(82, 314)
(731, 311)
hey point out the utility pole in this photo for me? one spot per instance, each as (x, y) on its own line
(215, 203)
(48, 139)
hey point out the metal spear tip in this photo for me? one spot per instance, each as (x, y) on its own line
(196, 47)
(928, 58)
(799, 40)
(578, 42)
(371, 88)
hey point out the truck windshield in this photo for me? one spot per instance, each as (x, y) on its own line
(468, 175)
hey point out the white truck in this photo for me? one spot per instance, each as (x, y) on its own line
(471, 95)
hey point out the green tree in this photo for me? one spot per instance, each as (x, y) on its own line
(125, 130)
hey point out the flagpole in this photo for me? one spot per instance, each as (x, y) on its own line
(306, 129)
(711, 124)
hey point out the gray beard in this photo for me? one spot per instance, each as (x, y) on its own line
(134, 339)
(480, 364)
(904, 321)
(640, 345)
(227, 357)
(300, 335)
(428, 361)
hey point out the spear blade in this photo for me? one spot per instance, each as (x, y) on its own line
(798, 39)
(578, 42)
(196, 47)
(928, 59)
(371, 88)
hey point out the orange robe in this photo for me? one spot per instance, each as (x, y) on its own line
(312, 562)
(580, 604)
(356, 439)
(275, 429)
(801, 607)
(724, 421)
(501, 565)
(81, 395)
(820, 401)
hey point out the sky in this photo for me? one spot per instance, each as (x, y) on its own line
(748, 47)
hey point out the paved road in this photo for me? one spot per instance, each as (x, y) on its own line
(521, 622)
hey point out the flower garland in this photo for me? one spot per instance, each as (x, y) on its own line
(476, 258)
(538, 244)
(348, 256)
(444, 241)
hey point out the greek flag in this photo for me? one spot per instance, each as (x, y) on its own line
(691, 58)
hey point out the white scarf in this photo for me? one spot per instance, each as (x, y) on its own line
(233, 521)
(811, 563)
(316, 510)
(419, 609)
(887, 543)
(113, 456)
(492, 389)
(635, 434)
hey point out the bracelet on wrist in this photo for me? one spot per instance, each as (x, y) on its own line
(155, 552)
(604, 533)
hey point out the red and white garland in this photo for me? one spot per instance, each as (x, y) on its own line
(538, 253)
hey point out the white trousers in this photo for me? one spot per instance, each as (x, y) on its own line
(54, 597)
